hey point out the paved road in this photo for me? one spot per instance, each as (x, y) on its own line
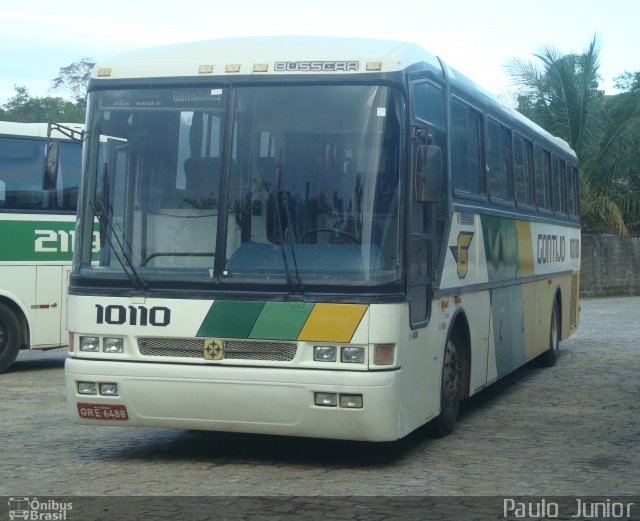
(573, 430)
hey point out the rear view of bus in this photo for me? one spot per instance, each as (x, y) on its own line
(274, 221)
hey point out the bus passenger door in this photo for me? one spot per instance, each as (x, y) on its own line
(48, 307)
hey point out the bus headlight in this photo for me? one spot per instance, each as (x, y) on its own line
(352, 355)
(324, 353)
(89, 343)
(109, 389)
(351, 401)
(87, 388)
(113, 345)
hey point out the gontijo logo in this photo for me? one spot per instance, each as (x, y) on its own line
(33, 509)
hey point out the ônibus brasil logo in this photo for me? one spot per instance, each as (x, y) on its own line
(36, 510)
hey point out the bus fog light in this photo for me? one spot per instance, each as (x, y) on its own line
(351, 401)
(352, 355)
(324, 353)
(326, 399)
(109, 389)
(87, 388)
(113, 345)
(383, 354)
(89, 343)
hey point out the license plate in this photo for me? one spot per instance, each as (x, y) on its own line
(102, 411)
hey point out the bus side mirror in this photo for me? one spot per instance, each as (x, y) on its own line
(428, 174)
(52, 156)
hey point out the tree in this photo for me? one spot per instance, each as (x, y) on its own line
(560, 93)
(628, 81)
(74, 78)
(26, 109)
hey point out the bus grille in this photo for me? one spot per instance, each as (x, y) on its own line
(233, 349)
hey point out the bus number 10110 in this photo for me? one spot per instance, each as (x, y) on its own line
(133, 315)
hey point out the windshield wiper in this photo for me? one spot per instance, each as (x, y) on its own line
(134, 277)
(285, 234)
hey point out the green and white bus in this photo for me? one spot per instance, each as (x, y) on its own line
(40, 166)
(315, 237)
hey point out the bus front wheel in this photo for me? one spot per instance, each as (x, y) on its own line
(450, 389)
(9, 337)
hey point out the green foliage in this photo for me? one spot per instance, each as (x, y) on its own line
(628, 81)
(560, 93)
(26, 109)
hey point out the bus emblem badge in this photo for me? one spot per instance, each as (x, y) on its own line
(213, 349)
(461, 253)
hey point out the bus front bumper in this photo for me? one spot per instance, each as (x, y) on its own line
(258, 400)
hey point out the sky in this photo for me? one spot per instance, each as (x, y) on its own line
(477, 37)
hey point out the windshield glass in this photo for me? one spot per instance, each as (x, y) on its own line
(300, 185)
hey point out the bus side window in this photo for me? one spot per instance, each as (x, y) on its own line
(498, 161)
(21, 169)
(69, 175)
(542, 170)
(572, 190)
(523, 173)
(558, 179)
(428, 104)
(466, 149)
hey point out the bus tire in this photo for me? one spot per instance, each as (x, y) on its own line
(450, 388)
(9, 337)
(550, 357)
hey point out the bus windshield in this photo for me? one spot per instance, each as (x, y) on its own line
(296, 185)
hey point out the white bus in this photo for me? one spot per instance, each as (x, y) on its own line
(312, 237)
(40, 166)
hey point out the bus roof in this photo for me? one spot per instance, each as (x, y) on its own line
(299, 55)
(39, 130)
(265, 55)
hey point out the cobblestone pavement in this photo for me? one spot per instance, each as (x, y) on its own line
(573, 429)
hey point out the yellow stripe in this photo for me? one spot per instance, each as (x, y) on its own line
(332, 322)
(525, 250)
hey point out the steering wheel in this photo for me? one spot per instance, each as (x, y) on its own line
(329, 230)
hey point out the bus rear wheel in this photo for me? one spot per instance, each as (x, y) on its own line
(9, 337)
(450, 389)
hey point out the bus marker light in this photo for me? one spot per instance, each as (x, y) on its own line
(351, 401)
(458, 299)
(326, 399)
(444, 304)
(109, 389)
(71, 342)
(89, 343)
(352, 355)
(232, 67)
(383, 354)
(205, 69)
(87, 388)
(374, 66)
(113, 345)
(260, 67)
(324, 353)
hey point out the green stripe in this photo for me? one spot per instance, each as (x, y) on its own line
(19, 240)
(230, 319)
(281, 320)
(500, 246)
(508, 328)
